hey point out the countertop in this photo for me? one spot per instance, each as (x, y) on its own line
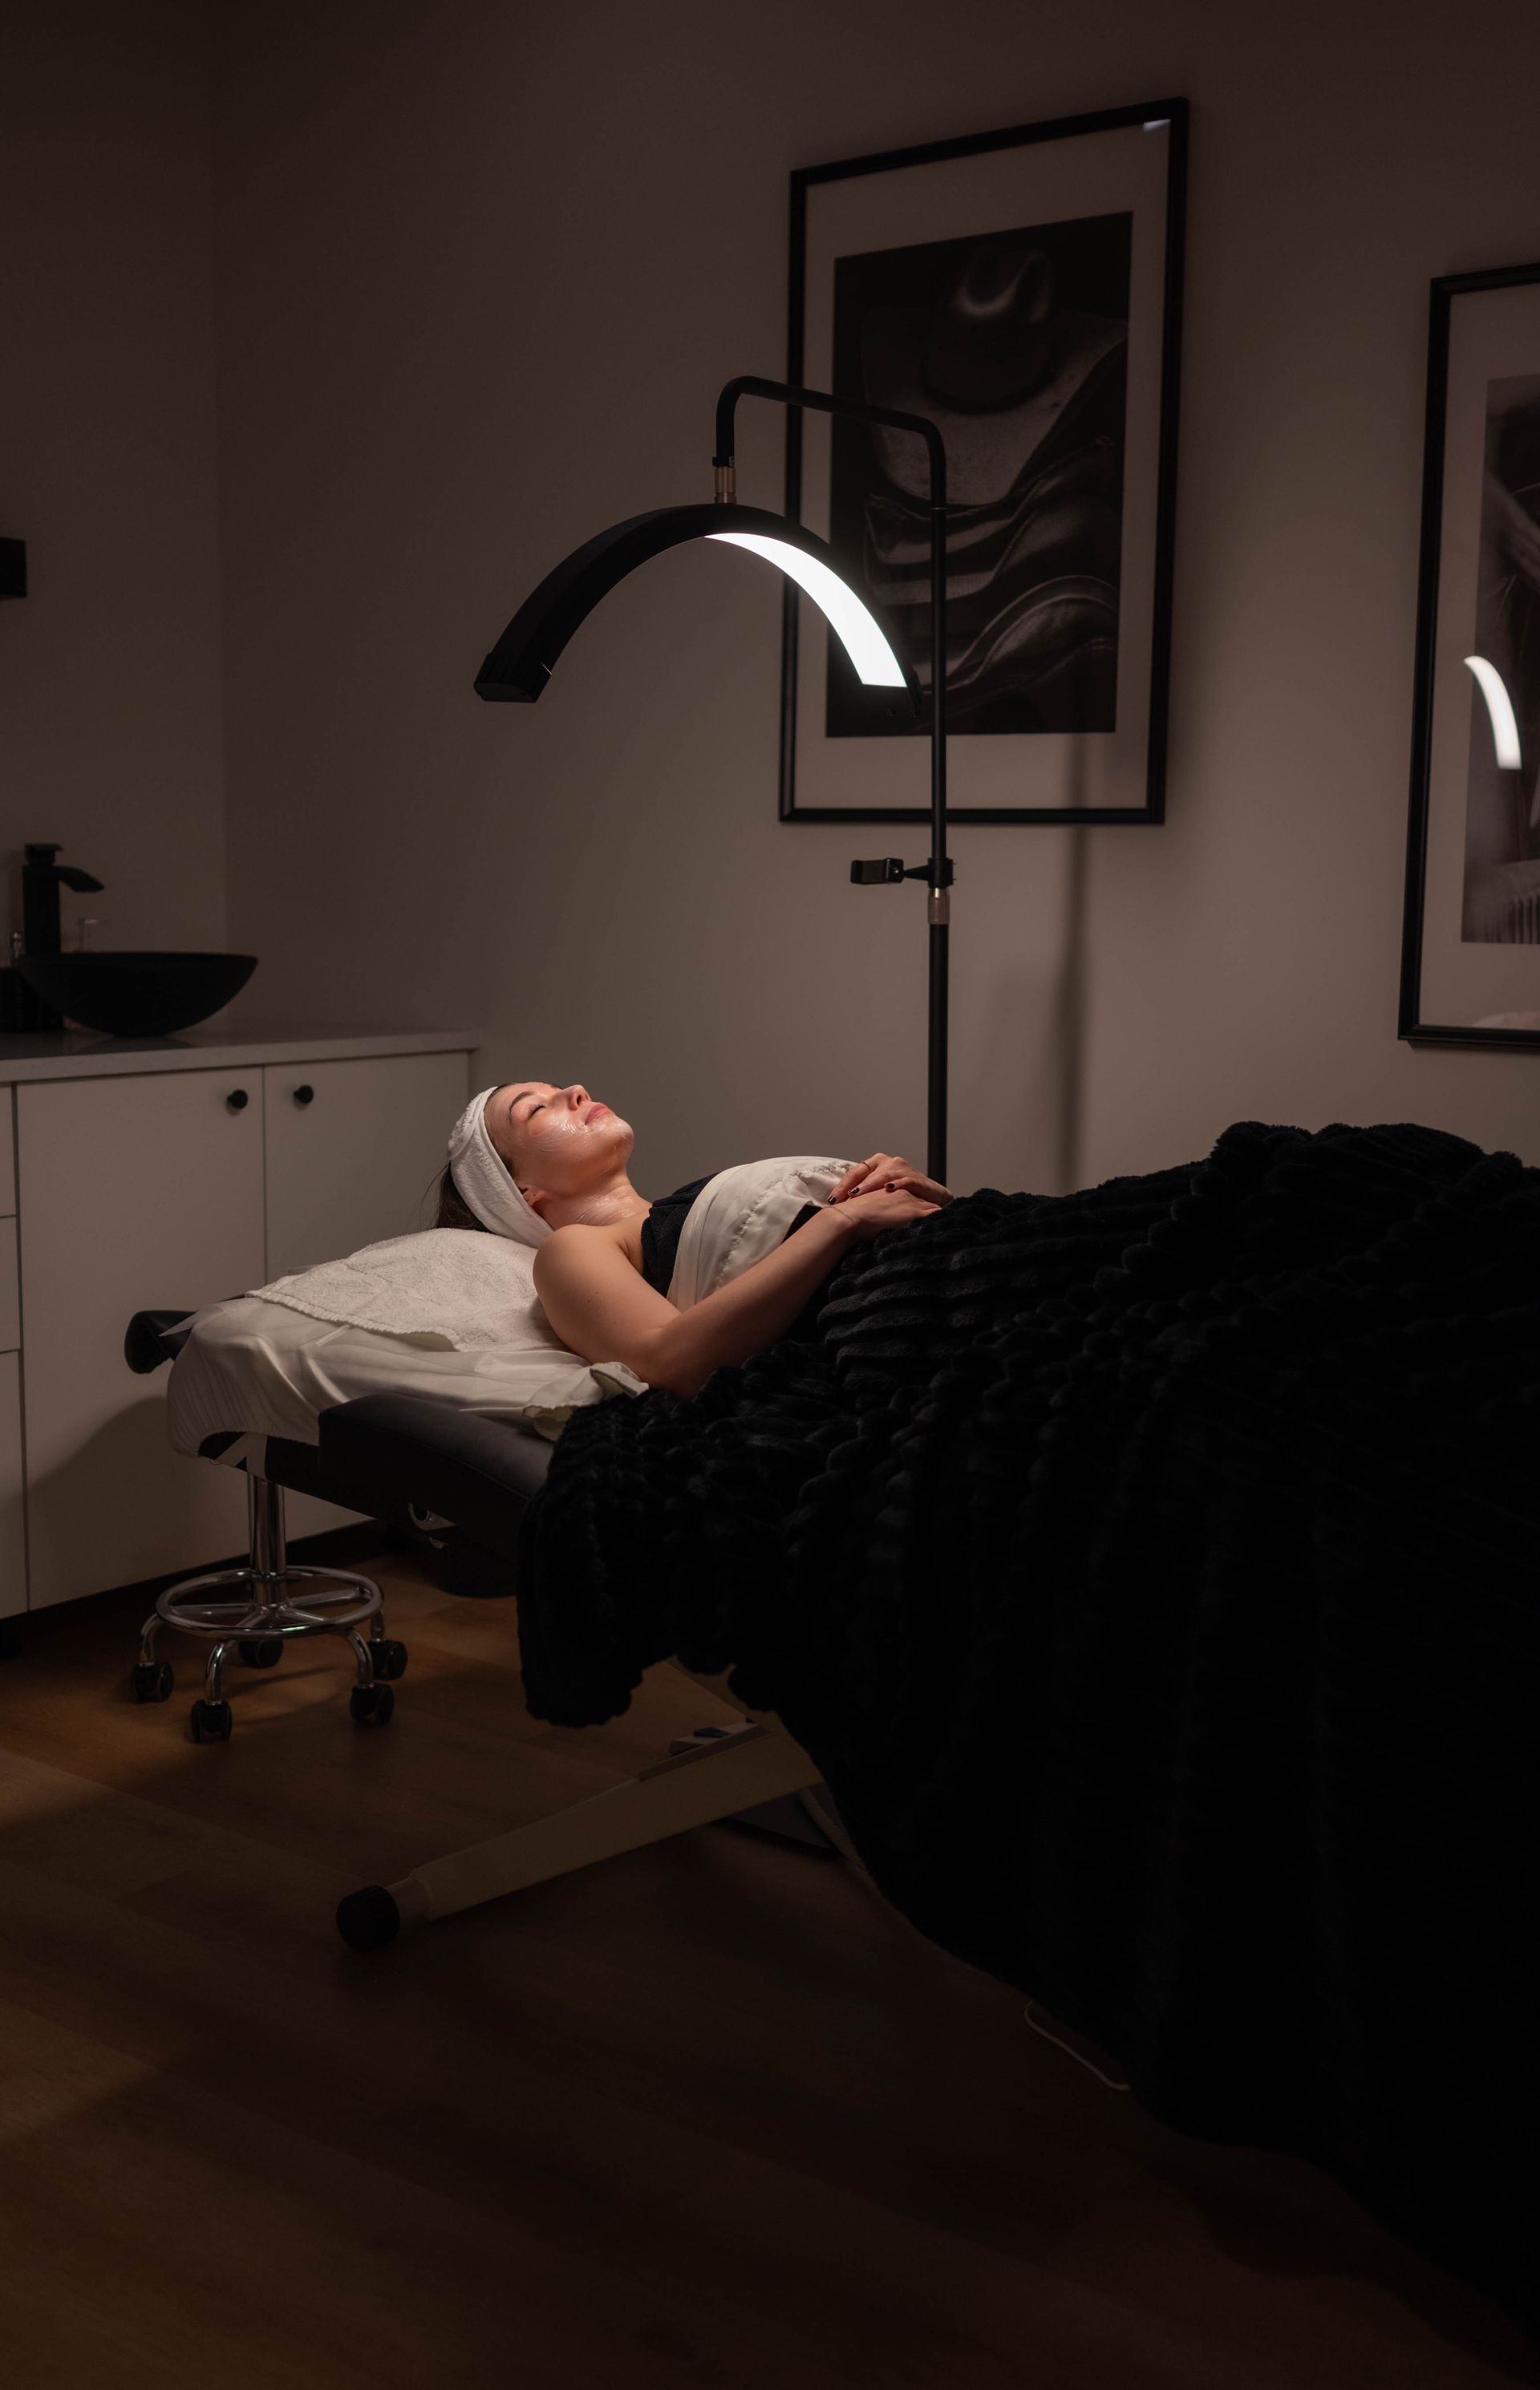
(79, 1054)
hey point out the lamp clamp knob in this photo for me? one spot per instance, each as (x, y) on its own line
(884, 868)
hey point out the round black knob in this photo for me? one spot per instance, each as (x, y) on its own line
(238, 1099)
(304, 1095)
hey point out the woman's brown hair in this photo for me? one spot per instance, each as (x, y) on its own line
(454, 1211)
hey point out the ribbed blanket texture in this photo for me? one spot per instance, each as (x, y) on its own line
(1154, 1575)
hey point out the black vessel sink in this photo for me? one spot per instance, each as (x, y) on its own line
(137, 995)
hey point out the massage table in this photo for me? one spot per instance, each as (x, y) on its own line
(465, 1482)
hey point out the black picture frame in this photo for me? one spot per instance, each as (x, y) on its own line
(1443, 291)
(1166, 114)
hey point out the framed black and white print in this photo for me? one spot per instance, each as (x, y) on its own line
(1021, 289)
(1470, 952)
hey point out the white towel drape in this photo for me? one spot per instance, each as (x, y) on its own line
(741, 1214)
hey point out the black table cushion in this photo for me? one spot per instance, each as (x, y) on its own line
(397, 1449)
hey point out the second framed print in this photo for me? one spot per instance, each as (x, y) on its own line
(1022, 290)
(1471, 953)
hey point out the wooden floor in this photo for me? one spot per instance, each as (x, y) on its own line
(706, 2114)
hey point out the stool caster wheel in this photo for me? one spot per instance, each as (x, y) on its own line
(371, 1704)
(153, 1680)
(261, 1651)
(212, 1721)
(390, 1660)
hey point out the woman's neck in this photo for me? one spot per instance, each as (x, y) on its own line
(595, 1207)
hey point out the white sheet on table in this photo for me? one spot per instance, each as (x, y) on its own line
(259, 1368)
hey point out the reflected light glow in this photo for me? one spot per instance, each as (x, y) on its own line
(1499, 706)
(874, 660)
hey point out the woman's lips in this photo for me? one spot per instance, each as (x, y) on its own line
(595, 1110)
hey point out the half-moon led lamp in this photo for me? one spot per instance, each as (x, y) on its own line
(1500, 708)
(525, 656)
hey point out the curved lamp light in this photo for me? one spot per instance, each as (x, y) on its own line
(525, 656)
(521, 662)
(1500, 708)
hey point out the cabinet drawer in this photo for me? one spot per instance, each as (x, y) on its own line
(13, 1545)
(7, 1155)
(10, 1299)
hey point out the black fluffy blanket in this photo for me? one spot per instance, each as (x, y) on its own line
(1154, 1575)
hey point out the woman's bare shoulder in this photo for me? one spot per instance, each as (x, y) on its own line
(626, 1236)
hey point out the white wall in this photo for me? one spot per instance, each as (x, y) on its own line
(109, 669)
(483, 269)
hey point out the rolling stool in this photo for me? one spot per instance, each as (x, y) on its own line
(250, 1605)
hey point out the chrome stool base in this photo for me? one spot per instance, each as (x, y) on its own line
(251, 1607)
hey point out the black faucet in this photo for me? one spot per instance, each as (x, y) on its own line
(42, 878)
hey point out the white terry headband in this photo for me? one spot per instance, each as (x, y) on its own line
(485, 1181)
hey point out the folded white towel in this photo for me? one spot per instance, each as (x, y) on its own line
(446, 1287)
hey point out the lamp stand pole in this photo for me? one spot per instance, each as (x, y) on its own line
(936, 872)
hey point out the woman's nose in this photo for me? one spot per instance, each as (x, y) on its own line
(579, 1093)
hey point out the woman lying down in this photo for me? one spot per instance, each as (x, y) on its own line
(548, 1166)
(582, 1291)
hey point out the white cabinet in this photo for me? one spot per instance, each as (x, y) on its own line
(141, 1188)
(13, 1541)
(353, 1149)
(134, 1192)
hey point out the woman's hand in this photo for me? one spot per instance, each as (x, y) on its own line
(881, 1171)
(861, 1216)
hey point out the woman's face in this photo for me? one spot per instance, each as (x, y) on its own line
(556, 1140)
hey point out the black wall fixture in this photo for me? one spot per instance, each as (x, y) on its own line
(13, 568)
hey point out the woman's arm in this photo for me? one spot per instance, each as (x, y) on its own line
(602, 1307)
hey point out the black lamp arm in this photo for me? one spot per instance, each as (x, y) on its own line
(937, 869)
(824, 403)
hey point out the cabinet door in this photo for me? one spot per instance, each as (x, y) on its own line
(134, 1192)
(13, 1543)
(354, 1161)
